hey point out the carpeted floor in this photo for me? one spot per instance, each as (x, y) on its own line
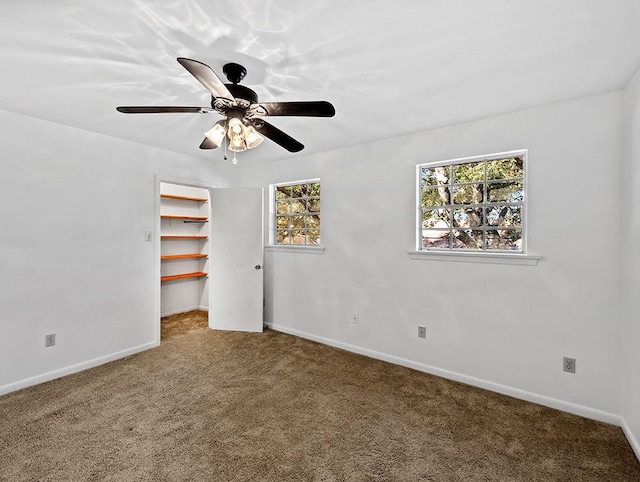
(228, 406)
(182, 324)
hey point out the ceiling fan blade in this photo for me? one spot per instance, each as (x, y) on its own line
(276, 135)
(207, 144)
(320, 108)
(162, 109)
(207, 77)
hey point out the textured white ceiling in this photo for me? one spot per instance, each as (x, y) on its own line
(389, 68)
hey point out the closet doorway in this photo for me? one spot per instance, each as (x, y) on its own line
(185, 213)
(211, 256)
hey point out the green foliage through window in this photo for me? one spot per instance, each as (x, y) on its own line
(475, 205)
(297, 213)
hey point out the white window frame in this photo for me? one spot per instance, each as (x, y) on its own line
(469, 255)
(273, 224)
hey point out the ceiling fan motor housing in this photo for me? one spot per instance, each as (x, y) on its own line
(235, 73)
(242, 92)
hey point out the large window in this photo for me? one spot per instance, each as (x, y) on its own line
(473, 203)
(297, 213)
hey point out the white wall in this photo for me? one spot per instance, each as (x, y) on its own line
(631, 264)
(75, 207)
(502, 327)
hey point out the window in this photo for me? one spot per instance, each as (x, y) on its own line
(473, 204)
(297, 213)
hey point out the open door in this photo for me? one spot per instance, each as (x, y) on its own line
(235, 259)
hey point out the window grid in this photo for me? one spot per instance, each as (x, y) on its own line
(473, 204)
(297, 213)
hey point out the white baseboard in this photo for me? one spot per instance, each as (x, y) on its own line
(52, 375)
(184, 310)
(580, 410)
(633, 441)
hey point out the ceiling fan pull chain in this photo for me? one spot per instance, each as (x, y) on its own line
(225, 148)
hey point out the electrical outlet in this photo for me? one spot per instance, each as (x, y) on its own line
(49, 340)
(422, 331)
(355, 318)
(569, 364)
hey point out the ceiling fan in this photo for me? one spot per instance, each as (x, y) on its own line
(243, 124)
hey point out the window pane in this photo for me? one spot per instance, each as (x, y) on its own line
(313, 205)
(505, 239)
(436, 238)
(283, 207)
(508, 168)
(305, 189)
(433, 176)
(313, 236)
(297, 236)
(470, 172)
(297, 190)
(314, 189)
(467, 218)
(296, 222)
(282, 222)
(510, 191)
(283, 192)
(298, 206)
(436, 218)
(468, 194)
(282, 236)
(436, 196)
(311, 222)
(504, 216)
(468, 239)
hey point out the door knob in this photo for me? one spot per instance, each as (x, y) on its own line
(258, 266)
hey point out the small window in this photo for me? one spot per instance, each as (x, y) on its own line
(296, 210)
(473, 204)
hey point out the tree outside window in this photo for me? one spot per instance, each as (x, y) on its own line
(473, 204)
(297, 213)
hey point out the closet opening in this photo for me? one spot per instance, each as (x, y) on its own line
(185, 229)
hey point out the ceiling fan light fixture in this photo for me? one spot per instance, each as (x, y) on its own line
(237, 146)
(253, 139)
(237, 133)
(236, 127)
(216, 133)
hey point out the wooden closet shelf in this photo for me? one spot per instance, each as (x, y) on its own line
(180, 236)
(197, 274)
(184, 198)
(189, 218)
(183, 256)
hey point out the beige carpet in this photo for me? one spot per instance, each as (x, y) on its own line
(182, 324)
(222, 406)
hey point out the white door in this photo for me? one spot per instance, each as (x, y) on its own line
(235, 259)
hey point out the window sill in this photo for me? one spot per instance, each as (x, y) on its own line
(492, 258)
(295, 249)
